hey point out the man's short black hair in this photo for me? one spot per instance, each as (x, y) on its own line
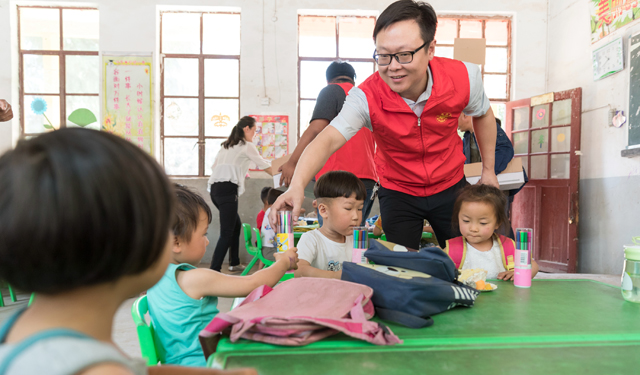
(263, 194)
(187, 212)
(340, 71)
(337, 184)
(80, 207)
(273, 195)
(403, 10)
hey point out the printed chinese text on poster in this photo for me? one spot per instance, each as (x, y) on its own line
(127, 106)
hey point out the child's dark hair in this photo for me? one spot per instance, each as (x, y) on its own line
(337, 184)
(80, 207)
(485, 194)
(187, 212)
(273, 195)
(237, 133)
(403, 10)
(264, 193)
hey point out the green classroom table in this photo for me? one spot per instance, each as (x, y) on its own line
(557, 326)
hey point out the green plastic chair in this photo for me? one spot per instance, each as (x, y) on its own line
(256, 251)
(145, 331)
(12, 294)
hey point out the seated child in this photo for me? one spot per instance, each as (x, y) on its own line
(263, 197)
(267, 233)
(185, 299)
(478, 213)
(84, 221)
(340, 196)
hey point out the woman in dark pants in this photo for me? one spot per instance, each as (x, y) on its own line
(227, 184)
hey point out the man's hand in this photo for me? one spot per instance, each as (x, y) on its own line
(291, 200)
(6, 113)
(489, 177)
(287, 170)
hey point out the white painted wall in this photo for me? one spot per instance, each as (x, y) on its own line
(131, 26)
(570, 66)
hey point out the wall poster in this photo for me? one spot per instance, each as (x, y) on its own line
(126, 105)
(610, 15)
(272, 136)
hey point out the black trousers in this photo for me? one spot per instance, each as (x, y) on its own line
(403, 215)
(225, 197)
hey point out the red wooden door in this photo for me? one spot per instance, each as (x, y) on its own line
(547, 138)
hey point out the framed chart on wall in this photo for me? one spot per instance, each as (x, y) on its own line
(126, 102)
(272, 136)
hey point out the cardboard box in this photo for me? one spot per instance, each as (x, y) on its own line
(275, 165)
(511, 178)
(470, 50)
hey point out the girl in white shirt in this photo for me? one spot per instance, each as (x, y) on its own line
(478, 213)
(227, 184)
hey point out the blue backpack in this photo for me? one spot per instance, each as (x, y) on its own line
(404, 291)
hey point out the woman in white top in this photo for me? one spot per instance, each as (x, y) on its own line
(227, 184)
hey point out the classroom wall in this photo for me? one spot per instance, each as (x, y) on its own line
(609, 199)
(131, 26)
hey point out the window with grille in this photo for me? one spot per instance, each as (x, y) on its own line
(59, 68)
(323, 39)
(496, 72)
(200, 88)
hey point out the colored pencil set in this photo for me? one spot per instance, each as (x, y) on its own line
(522, 271)
(285, 222)
(360, 238)
(284, 236)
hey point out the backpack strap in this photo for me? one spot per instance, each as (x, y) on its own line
(507, 249)
(457, 250)
(403, 318)
(29, 341)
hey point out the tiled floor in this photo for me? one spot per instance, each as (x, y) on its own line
(124, 331)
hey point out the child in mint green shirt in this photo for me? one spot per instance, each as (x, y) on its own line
(185, 300)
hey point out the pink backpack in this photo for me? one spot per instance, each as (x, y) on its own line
(300, 311)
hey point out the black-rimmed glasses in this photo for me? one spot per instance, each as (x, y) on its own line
(384, 59)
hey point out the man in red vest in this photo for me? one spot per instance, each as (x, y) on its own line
(356, 156)
(411, 105)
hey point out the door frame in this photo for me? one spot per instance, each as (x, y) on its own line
(574, 175)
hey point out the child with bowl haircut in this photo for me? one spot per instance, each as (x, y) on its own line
(479, 213)
(84, 221)
(185, 299)
(340, 196)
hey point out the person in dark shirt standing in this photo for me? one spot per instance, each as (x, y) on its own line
(356, 156)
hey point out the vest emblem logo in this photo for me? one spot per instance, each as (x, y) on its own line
(443, 116)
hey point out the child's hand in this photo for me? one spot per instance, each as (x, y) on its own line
(291, 255)
(506, 276)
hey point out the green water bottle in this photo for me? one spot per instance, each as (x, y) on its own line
(631, 272)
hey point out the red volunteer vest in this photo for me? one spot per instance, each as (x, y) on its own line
(457, 251)
(420, 156)
(356, 156)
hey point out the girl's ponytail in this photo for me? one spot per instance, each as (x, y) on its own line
(237, 133)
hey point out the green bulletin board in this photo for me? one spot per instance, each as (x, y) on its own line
(634, 90)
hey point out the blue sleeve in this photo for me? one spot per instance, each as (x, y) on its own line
(504, 150)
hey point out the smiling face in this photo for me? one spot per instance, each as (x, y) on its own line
(408, 80)
(477, 222)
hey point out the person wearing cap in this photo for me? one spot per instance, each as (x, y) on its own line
(6, 113)
(411, 105)
(356, 156)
